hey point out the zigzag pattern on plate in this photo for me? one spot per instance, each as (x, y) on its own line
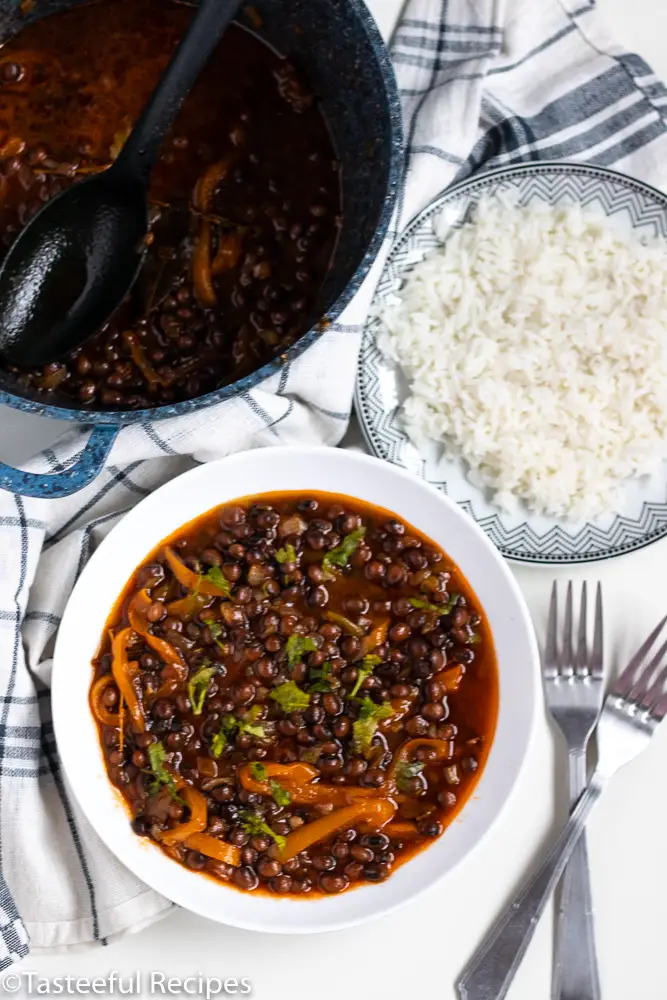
(646, 210)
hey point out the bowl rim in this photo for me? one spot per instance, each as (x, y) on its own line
(87, 776)
(396, 146)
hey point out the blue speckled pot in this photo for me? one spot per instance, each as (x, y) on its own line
(339, 48)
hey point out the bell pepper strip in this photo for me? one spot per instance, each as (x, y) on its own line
(292, 775)
(377, 812)
(136, 614)
(193, 581)
(296, 779)
(375, 638)
(405, 752)
(227, 255)
(214, 848)
(187, 607)
(451, 677)
(201, 267)
(121, 725)
(198, 817)
(347, 626)
(208, 182)
(124, 673)
(165, 690)
(400, 707)
(401, 830)
(142, 362)
(100, 711)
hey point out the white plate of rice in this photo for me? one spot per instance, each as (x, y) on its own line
(516, 357)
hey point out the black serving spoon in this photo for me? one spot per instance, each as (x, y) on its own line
(75, 262)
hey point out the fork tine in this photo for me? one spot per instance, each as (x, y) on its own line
(596, 660)
(642, 690)
(551, 646)
(567, 661)
(581, 663)
(624, 685)
(654, 692)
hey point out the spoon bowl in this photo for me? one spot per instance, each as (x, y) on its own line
(70, 269)
(75, 262)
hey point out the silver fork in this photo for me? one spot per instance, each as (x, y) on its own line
(633, 709)
(573, 692)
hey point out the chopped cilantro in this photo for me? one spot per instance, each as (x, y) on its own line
(215, 576)
(363, 730)
(364, 670)
(323, 678)
(229, 725)
(280, 795)
(253, 824)
(157, 756)
(439, 609)
(339, 557)
(258, 771)
(198, 685)
(296, 646)
(290, 697)
(405, 771)
(311, 755)
(286, 555)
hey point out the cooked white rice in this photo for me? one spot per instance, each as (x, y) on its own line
(535, 347)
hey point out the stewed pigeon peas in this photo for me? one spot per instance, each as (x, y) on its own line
(295, 694)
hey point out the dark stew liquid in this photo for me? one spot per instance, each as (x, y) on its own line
(308, 689)
(245, 197)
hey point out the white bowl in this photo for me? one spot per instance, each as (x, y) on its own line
(307, 469)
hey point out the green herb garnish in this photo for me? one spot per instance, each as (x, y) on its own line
(339, 557)
(311, 755)
(219, 580)
(254, 825)
(198, 685)
(229, 725)
(287, 554)
(405, 771)
(258, 771)
(281, 796)
(364, 729)
(439, 609)
(323, 678)
(296, 646)
(290, 697)
(163, 778)
(366, 667)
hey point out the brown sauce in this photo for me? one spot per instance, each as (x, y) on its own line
(347, 672)
(245, 196)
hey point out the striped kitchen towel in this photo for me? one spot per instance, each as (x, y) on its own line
(484, 83)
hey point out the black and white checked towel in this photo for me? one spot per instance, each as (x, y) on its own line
(484, 83)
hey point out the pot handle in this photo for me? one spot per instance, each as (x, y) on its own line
(51, 486)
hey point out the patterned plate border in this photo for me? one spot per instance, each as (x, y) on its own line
(385, 438)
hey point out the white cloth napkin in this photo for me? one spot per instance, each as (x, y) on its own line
(484, 83)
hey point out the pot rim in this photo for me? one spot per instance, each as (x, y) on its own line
(243, 385)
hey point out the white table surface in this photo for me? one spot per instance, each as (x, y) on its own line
(418, 951)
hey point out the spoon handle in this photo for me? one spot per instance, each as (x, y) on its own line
(144, 142)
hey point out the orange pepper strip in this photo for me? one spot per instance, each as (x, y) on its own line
(295, 775)
(198, 817)
(450, 678)
(201, 267)
(404, 753)
(136, 614)
(208, 182)
(378, 812)
(144, 365)
(123, 674)
(214, 848)
(375, 638)
(187, 607)
(228, 253)
(191, 580)
(401, 830)
(296, 778)
(101, 713)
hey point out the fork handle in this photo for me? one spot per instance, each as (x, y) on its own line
(489, 973)
(575, 970)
